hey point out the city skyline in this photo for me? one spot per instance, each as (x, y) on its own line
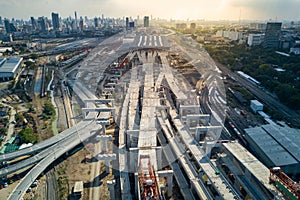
(191, 9)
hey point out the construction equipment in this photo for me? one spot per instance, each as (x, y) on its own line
(285, 184)
(147, 180)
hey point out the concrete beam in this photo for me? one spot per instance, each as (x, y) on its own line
(99, 101)
(206, 129)
(195, 108)
(107, 158)
(103, 139)
(103, 123)
(104, 109)
(206, 117)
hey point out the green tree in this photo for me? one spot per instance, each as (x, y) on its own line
(27, 136)
(3, 131)
(48, 109)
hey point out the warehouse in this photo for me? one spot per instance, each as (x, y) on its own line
(276, 146)
(9, 68)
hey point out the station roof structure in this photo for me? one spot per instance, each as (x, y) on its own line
(9, 65)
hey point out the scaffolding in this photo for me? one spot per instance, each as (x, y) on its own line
(147, 180)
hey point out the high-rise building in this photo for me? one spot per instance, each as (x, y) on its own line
(76, 21)
(42, 24)
(96, 22)
(81, 24)
(33, 23)
(272, 35)
(55, 21)
(7, 26)
(127, 23)
(146, 21)
(1, 20)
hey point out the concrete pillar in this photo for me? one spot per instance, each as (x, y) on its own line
(136, 183)
(103, 139)
(197, 134)
(111, 188)
(159, 157)
(83, 114)
(170, 184)
(107, 164)
(133, 156)
(104, 146)
(169, 175)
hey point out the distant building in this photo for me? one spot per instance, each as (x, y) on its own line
(127, 23)
(1, 22)
(181, 26)
(81, 25)
(295, 50)
(96, 22)
(76, 21)
(193, 26)
(55, 21)
(272, 35)
(257, 26)
(256, 106)
(231, 35)
(42, 24)
(6, 25)
(146, 21)
(255, 39)
(9, 68)
(131, 24)
(33, 23)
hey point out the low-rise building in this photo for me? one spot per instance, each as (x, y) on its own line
(255, 39)
(9, 68)
(256, 106)
(276, 146)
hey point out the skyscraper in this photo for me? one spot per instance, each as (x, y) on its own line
(1, 20)
(127, 23)
(272, 35)
(81, 25)
(42, 24)
(55, 21)
(7, 26)
(96, 22)
(76, 22)
(33, 23)
(146, 21)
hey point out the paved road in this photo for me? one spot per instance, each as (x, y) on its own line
(52, 186)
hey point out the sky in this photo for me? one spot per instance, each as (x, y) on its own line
(167, 9)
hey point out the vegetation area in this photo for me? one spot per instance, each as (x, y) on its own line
(27, 136)
(261, 64)
(48, 110)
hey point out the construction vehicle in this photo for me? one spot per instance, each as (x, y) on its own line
(147, 180)
(285, 184)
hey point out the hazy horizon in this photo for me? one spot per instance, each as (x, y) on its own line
(167, 9)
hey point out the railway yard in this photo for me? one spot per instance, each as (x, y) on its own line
(136, 120)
